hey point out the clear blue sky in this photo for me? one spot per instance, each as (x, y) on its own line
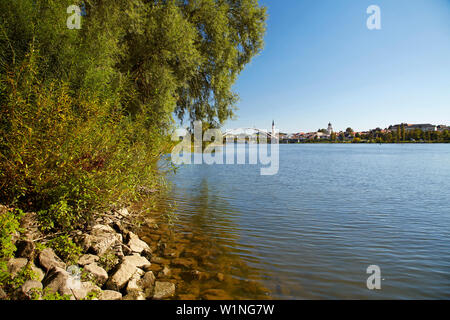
(321, 63)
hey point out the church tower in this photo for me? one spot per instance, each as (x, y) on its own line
(330, 128)
(273, 128)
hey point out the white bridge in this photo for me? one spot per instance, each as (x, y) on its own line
(249, 132)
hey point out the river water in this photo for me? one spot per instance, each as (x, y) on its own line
(312, 230)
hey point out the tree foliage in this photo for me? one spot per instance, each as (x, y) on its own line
(86, 114)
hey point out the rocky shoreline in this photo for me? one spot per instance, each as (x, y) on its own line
(115, 265)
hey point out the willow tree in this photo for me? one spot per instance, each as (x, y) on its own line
(85, 112)
(185, 56)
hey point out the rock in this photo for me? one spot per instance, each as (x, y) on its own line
(159, 260)
(100, 240)
(216, 294)
(38, 272)
(58, 280)
(16, 264)
(171, 253)
(184, 263)
(88, 259)
(220, 277)
(136, 244)
(25, 249)
(48, 260)
(30, 287)
(3, 295)
(99, 274)
(136, 295)
(121, 276)
(148, 280)
(137, 260)
(110, 295)
(194, 275)
(165, 272)
(123, 212)
(84, 289)
(134, 283)
(163, 290)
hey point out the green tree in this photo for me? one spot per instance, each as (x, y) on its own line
(403, 132)
(86, 114)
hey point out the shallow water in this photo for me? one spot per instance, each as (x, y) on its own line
(311, 231)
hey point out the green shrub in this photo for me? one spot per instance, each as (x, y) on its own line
(9, 225)
(65, 248)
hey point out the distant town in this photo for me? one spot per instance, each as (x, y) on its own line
(398, 133)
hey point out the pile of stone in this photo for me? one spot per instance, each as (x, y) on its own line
(129, 277)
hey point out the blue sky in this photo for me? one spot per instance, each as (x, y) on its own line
(321, 63)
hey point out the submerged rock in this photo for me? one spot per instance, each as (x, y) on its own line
(216, 294)
(163, 290)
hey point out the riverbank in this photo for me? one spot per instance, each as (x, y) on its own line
(123, 256)
(114, 264)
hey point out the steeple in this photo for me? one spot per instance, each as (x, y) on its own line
(330, 128)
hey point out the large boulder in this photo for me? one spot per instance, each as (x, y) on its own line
(59, 280)
(16, 264)
(30, 288)
(48, 260)
(100, 240)
(98, 273)
(110, 295)
(121, 276)
(137, 260)
(163, 290)
(136, 244)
